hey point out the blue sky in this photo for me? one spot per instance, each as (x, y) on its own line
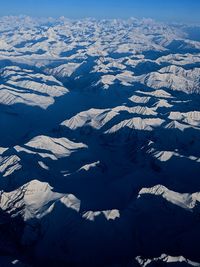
(166, 10)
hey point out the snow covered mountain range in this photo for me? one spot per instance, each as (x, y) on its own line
(99, 143)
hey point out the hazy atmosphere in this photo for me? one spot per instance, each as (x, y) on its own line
(175, 10)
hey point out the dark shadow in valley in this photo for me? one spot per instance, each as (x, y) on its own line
(149, 227)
